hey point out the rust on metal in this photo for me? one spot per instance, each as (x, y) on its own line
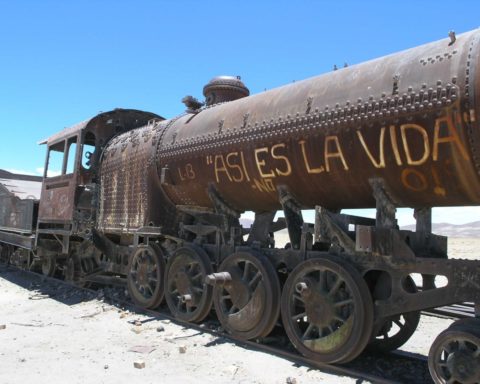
(155, 204)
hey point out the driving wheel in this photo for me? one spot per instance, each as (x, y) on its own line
(146, 271)
(49, 265)
(454, 356)
(246, 295)
(327, 310)
(392, 332)
(187, 295)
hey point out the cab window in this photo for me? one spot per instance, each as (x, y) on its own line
(88, 151)
(62, 158)
(55, 160)
(71, 155)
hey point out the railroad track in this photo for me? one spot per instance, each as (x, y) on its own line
(398, 367)
(454, 311)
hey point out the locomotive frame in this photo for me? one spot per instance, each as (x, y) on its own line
(134, 200)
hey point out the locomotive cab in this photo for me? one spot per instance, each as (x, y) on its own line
(69, 186)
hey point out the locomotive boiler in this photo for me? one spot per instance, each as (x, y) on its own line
(157, 202)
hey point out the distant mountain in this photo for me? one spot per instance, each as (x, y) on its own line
(452, 230)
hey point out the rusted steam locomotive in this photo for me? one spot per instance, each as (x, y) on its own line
(158, 202)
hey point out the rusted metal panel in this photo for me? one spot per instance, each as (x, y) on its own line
(408, 118)
(57, 202)
(119, 119)
(18, 240)
(19, 196)
(130, 197)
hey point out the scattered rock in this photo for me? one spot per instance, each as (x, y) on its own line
(160, 328)
(105, 366)
(3, 326)
(137, 330)
(122, 315)
(138, 323)
(22, 360)
(142, 349)
(182, 349)
(291, 380)
(139, 364)
(232, 370)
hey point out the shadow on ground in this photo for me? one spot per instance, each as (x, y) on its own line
(399, 367)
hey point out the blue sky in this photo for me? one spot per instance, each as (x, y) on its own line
(62, 62)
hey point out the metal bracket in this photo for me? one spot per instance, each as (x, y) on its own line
(423, 217)
(384, 204)
(146, 233)
(293, 216)
(328, 231)
(261, 228)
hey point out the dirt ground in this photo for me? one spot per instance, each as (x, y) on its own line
(49, 340)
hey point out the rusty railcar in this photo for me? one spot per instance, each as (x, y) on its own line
(158, 202)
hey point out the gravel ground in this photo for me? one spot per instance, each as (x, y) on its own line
(69, 340)
(63, 334)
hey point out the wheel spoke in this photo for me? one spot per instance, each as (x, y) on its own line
(197, 289)
(398, 323)
(150, 289)
(298, 297)
(322, 279)
(257, 277)
(197, 276)
(232, 309)
(299, 316)
(343, 303)
(135, 263)
(335, 287)
(307, 332)
(246, 270)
